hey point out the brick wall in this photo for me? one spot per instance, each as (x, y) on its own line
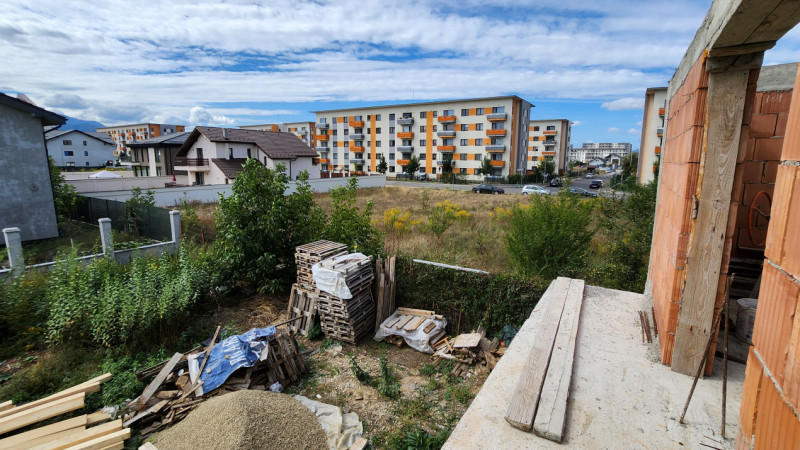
(678, 178)
(771, 394)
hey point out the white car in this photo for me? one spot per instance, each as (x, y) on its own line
(533, 189)
(589, 175)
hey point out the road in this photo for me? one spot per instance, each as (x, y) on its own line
(510, 189)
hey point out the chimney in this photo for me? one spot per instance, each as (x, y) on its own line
(225, 133)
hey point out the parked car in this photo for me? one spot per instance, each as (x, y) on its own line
(590, 175)
(556, 182)
(596, 184)
(534, 189)
(583, 192)
(487, 189)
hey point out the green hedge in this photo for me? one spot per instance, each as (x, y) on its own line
(491, 301)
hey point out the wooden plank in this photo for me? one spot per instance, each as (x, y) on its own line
(86, 387)
(41, 412)
(414, 323)
(151, 410)
(429, 327)
(468, 340)
(117, 446)
(103, 441)
(416, 312)
(726, 96)
(45, 441)
(83, 436)
(47, 430)
(552, 410)
(525, 400)
(359, 444)
(6, 405)
(151, 389)
(403, 321)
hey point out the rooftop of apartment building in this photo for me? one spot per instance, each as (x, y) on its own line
(400, 105)
(138, 124)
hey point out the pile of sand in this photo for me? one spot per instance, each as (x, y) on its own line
(246, 419)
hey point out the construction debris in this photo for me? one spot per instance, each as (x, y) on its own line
(255, 360)
(467, 350)
(415, 327)
(303, 299)
(246, 419)
(85, 431)
(343, 430)
(384, 289)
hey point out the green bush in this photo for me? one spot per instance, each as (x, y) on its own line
(514, 178)
(349, 224)
(549, 237)
(23, 312)
(124, 385)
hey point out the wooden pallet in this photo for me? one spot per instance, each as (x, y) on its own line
(309, 254)
(347, 320)
(302, 303)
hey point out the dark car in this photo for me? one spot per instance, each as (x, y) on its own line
(583, 192)
(596, 184)
(487, 189)
(556, 182)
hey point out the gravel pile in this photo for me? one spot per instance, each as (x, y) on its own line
(246, 420)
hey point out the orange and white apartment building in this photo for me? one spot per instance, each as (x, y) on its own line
(549, 140)
(462, 131)
(655, 106)
(121, 134)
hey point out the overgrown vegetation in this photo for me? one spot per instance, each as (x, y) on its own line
(136, 208)
(385, 383)
(65, 195)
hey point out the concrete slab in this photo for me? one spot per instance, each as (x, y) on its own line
(621, 395)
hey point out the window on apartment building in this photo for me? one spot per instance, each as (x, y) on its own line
(407, 115)
(497, 141)
(478, 127)
(422, 128)
(84, 143)
(422, 142)
(87, 163)
(464, 142)
(369, 144)
(368, 130)
(465, 112)
(434, 142)
(479, 111)
(479, 141)
(85, 153)
(423, 114)
(434, 128)
(369, 116)
(391, 156)
(377, 130)
(497, 156)
(377, 117)
(346, 131)
(248, 154)
(68, 153)
(391, 169)
(498, 109)
(357, 118)
(70, 164)
(498, 125)
(551, 128)
(433, 157)
(323, 120)
(421, 170)
(391, 130)
(462, 156)
(447, 141)
(391, 116)
(158, 155)
(335, 132)
(448, 112)
(347, 143)
(347, 156)
(422, 157)
(464, 127)
(476, 156)
(435, 114)
(377, 143)
(66, 142)
(462, 171)
(391, 143)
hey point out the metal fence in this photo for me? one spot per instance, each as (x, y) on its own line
(151, 222)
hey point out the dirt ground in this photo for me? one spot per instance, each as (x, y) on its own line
(430, 400)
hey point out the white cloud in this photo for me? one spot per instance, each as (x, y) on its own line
(201, 116)
(614, 130)
(634, 131)
(624, 103)
(639, 123)
(575, 123)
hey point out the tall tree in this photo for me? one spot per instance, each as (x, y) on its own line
(382, 166)
(413, 165)
(486, 167)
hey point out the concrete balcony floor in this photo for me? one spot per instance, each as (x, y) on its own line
(621, 396)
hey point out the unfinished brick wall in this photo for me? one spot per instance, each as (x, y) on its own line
(678, 180)
(771, 394)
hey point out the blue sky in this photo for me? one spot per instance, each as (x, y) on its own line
(243, 62)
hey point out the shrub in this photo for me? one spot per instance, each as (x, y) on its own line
(443, 215)
(549, 237)
(65, 195)
(349, 224)
(514, 178)
(136, 208)
(396, 221)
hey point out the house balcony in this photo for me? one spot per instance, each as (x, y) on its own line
(446, 148)
(321, 137)
(658, 150)
(357, 149)
(192, 164)
(447, 119)
(496, 148)
(126, 160)
(405, 121)
(500, 132)
(405, 135)
(549, 132)
(322, 126)
(357, 160)
(496, 117)
(356, 123)
(403, 162)
(659, 132)
(662, 111)
(405, 149)
(446, 134)
(356, 136)
(497, 163)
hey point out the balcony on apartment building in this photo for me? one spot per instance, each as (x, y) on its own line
(128, 160)
(659, 132)
(405, 135)
(497, 163)
(446, 133)
(549, 153)
(500, 132)
(405, 148)
(549, 142)
(549, 132)
(447, 119)
(324, 161)
(662, 111)
(446, 148)
(499, 148)
(658, 150)
(192, 164)
(357, 148)
(405, 121)
(357, 160)
(356, 123)
(322, 126)
(496, 117)
(356, 136)
(321, 137)
(441, 162)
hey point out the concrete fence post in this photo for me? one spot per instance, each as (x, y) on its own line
(14, 247)
(105, 236)
(175, 226)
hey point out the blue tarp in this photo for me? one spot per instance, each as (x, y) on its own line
(243, 350)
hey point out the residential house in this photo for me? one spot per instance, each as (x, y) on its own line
(156, 156)
(26, 201)
(124, 134)
(74, 148)
(213, 155)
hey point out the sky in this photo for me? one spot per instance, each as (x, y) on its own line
(230, 63)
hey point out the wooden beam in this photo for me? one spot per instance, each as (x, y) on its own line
(84, 436)
(159, 379)
(552, 411)
(18, 439)
(103, 442)
(743, 49)
(44, 441)
(6, 405)
(747, 61)
(41, 412)
(87, 387)
(529, 386)
(726, 97)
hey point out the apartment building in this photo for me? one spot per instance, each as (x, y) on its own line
(549, 140)
(303, 130)
(602, 153)
(75, 148)
(655, 104)
(461, 131)
(122, 134)
(156, 156)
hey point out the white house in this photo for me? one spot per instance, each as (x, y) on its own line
(214, 155)
(75, 148)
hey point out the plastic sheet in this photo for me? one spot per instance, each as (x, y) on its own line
(342, 430)
(334, 281)
(417, 339)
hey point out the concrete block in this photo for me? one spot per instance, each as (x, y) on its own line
(106, 237)
(175, 227)
(769, 149)
(13, 239)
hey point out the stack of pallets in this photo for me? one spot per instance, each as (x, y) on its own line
(349, 320)
(303, 300)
